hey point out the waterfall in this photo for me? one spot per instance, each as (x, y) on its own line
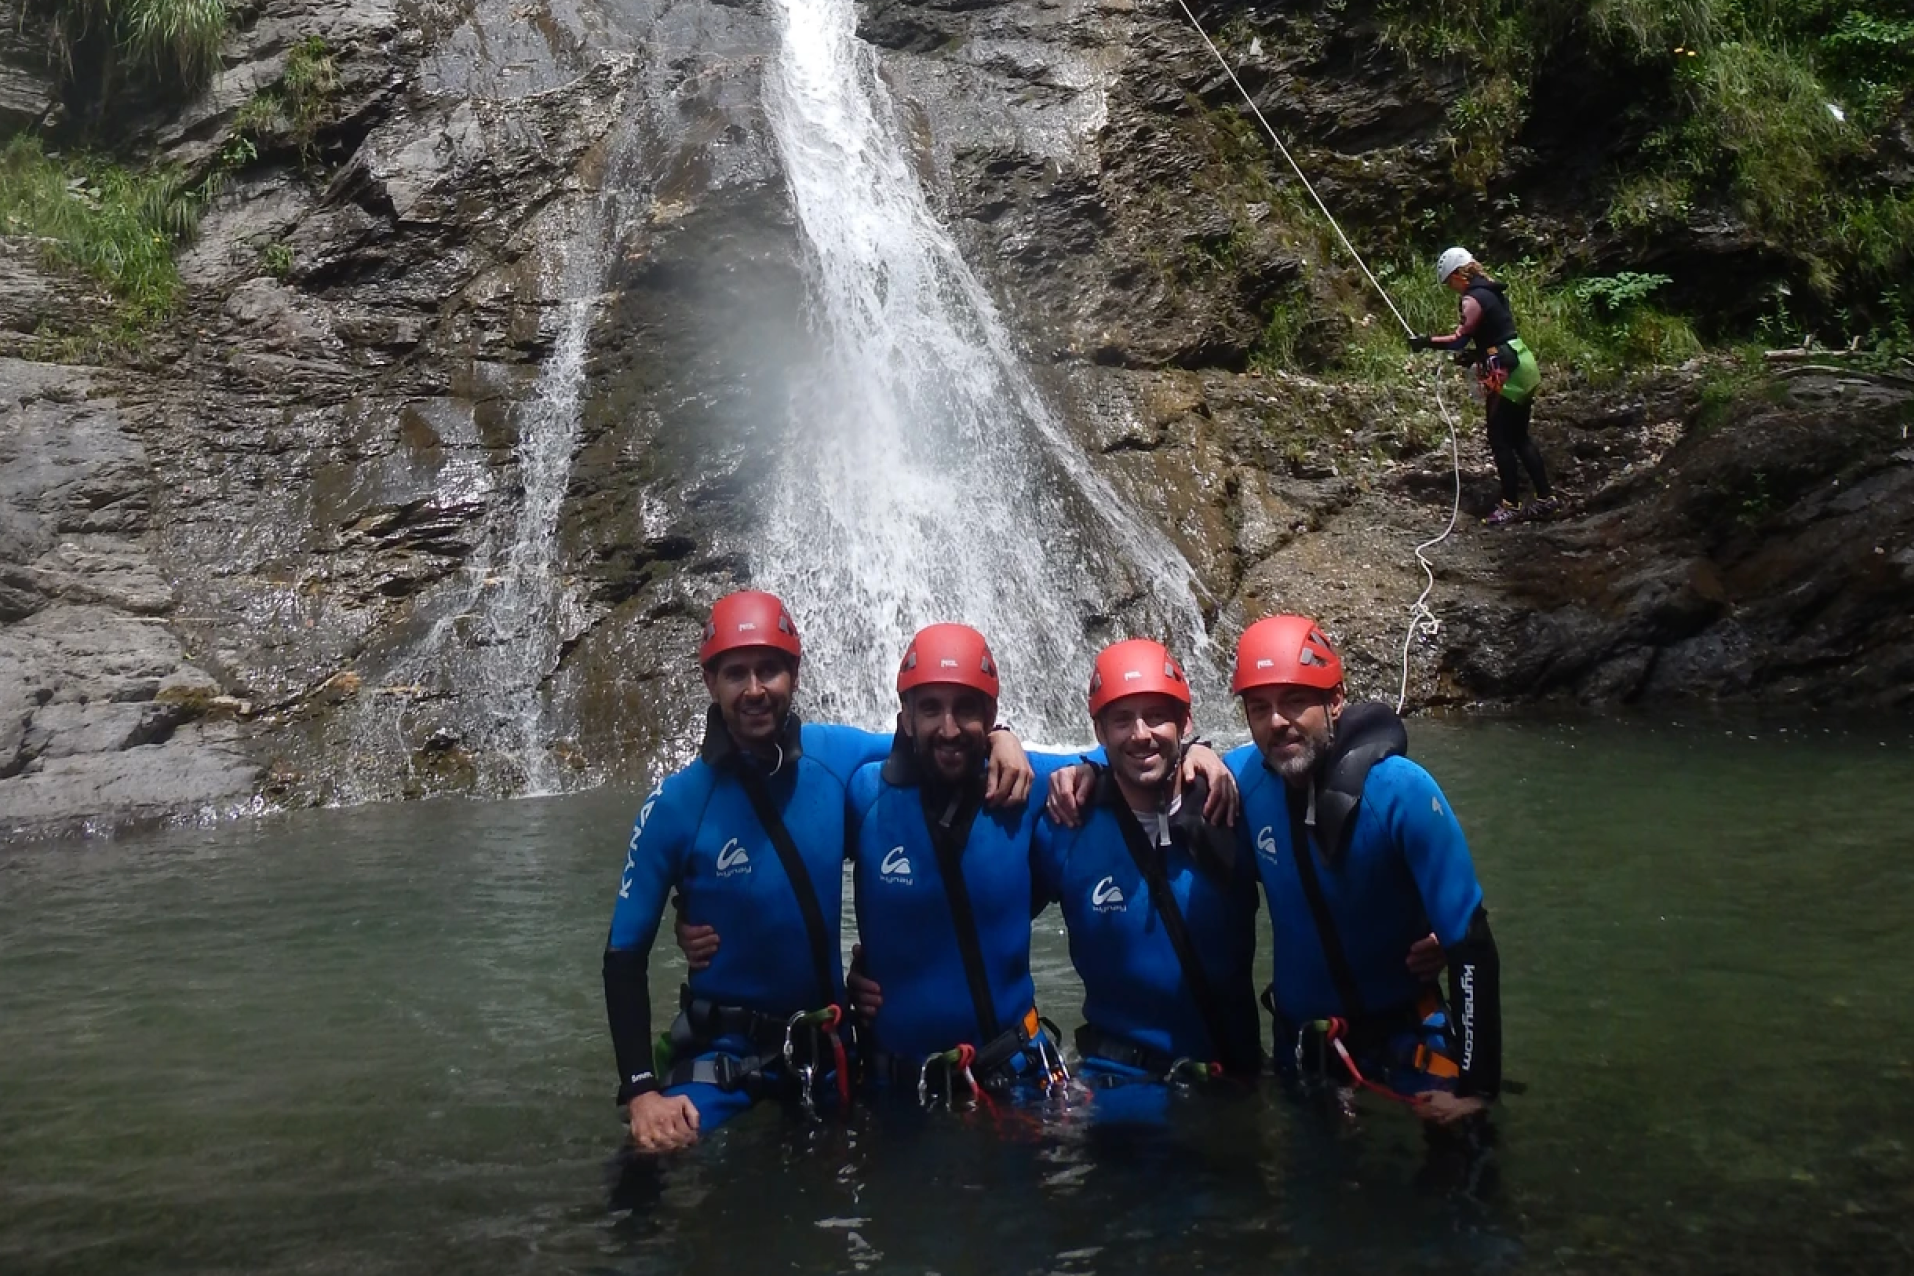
(481, 669)
(923, 476)
(530, 612)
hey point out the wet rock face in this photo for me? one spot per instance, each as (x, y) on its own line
(28, 93)
(265, 557)
(102, 710)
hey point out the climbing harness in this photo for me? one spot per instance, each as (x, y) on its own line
(1149, 863)
(689, 1054)
(993, 1062)
(1094, 1043)
(1331, 1032)
(823, 1028)
(1056, 1073)
(1422, 617)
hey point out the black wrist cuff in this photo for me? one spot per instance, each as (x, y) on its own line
(643, 1083)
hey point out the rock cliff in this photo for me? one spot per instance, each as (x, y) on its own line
(276, 554)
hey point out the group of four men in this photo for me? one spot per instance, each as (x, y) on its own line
(1356, 849)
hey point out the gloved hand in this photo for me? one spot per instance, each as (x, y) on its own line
(1421, 343)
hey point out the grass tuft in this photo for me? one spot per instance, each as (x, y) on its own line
(117, 226)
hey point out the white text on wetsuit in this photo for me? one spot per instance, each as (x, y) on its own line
(1468, 1016)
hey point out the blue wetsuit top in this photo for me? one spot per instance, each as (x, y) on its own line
(904, 918)
(698, 832)
(1133, 984)
(1405, 871)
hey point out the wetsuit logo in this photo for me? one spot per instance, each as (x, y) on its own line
(1106, 896)
(1266, 841)
(733, 859)
(896, 866)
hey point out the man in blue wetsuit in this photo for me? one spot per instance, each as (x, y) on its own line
(751, 834)
(943, 886)
(1160, 904)
(1360, 856)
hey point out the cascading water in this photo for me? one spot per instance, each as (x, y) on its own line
(924, 478)
(481, 670)
(530, 612)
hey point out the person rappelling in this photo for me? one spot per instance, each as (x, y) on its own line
(1509, 376)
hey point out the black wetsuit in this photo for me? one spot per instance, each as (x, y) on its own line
(1508, 420)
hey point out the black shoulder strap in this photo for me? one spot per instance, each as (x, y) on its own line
(948, 833)
(800, 878)
(1339, 971)
(1149, 862)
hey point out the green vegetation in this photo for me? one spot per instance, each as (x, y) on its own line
(1594, 328)
(1770, 108)
(1756, 503)
(120, 225)
(117, 226)
(297, 106)
(1730, 383)
(109, 50)
(1330, 323)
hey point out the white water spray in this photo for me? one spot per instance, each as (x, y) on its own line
(924, 478)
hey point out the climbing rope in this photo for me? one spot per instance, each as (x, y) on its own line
(1422, 617)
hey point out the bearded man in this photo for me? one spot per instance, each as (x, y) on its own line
(1361, 857)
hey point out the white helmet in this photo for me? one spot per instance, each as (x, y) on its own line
(1450, 262)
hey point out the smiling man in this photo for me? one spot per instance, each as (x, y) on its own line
(1159, 904)
(751, 834)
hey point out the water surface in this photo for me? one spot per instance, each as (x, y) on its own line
(372, 1041)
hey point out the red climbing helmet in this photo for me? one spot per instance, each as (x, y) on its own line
(1285, 649)
(954, 654)
(1135, 667)
(749, 618)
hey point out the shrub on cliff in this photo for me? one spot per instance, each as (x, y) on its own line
(113, 51)
(117, 226)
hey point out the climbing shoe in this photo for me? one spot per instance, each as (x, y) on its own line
(1542, 507)
(1504, 513)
